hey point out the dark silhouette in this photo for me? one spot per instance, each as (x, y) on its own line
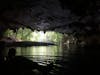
(11, 53)
(19, 65)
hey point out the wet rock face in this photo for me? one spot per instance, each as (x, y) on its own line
(49, 14)
(40, 15)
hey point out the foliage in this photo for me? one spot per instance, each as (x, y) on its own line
(28, 35)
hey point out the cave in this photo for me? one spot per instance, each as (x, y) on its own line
(59, 36)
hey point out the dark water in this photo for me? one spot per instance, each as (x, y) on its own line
(66, 60)
(44, 55)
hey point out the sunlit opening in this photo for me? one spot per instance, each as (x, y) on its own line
(38, 36)
(38, 52)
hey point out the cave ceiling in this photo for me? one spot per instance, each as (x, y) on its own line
(65, 16)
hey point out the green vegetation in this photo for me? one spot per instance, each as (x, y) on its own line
(43, 52)
(28, 35)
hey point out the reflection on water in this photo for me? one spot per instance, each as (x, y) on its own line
(38, 53)
(41, 53)
(45, 53)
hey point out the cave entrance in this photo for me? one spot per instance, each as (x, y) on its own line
(37, 53)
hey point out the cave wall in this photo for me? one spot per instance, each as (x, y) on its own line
(53, 15)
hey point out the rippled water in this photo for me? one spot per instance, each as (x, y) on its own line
(45, 54)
